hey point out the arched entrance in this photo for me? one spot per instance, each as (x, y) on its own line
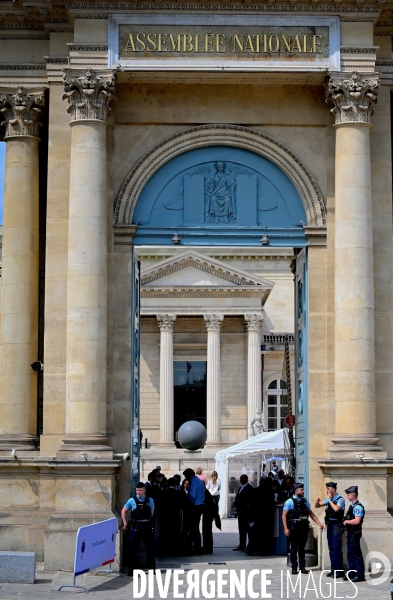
(204, 189)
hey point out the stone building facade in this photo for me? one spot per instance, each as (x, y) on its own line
(232, 148)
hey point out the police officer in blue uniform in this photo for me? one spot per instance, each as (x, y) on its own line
(295, 516)
(353, 521)
(140, 526)
(334, 514)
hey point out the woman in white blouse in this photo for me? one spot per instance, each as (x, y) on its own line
(214, 487)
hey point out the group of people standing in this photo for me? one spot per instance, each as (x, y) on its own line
(295, 518)
(166, 513)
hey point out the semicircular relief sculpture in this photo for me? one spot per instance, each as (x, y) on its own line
(219, 190)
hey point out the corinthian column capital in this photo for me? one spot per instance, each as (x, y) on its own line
(89, 94)
(213, 322)
(353, 97)
(254, 321)
(166, 322)
(22, 113)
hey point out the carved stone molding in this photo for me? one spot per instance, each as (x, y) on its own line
(253, 322)
(352, 97)
(89, 94)
(213, 321)
(22, 113)
(166, 322)
(226, 135)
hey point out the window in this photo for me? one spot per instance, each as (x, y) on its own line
(277, 404)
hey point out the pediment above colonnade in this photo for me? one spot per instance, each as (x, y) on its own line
(191, 282)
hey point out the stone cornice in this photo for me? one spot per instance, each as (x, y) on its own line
(22, 113)
(352, 96)
(89, 93)
(317, 236)
(204, 292)
(359, 49)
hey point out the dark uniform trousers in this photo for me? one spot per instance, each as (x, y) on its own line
(298, 534)
(354, 553)
(142, 531)
(335, 546)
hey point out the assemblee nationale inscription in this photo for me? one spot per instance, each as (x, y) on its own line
(171, 41)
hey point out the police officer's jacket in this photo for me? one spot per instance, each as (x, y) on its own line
(299, 512)
(142, 512)
(351, 514)
(332, 516)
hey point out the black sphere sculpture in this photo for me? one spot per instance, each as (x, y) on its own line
(192, 435)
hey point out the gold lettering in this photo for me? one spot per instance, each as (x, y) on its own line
(209, 47)
(265, 42)
(220, 43)
(317, 44)
(287, 43)
(304, 43)
(236, 38)
(175, 42)
(271, 45)
(130, 44)
(248, 45)
(151, 41)
(296, 44)
(196, 44)
(141, 41)
(187, 43)
(162, 42)
(257, 48)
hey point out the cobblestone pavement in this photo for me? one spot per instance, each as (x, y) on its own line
(108, 587)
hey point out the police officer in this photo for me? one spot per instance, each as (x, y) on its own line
(295, 520)
(334, 514)
(353, 521)
(141, 526)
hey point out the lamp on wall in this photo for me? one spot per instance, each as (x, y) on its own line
(265, 240)
(176, 239)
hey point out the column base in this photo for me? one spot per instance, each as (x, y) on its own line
(352, 446)
(93, 445)
(19, 441)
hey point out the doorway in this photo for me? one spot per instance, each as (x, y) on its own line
(189, 393)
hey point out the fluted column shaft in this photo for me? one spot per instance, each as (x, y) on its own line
(166, 323)
(213, 391)
(254, 366)
(352, 100)
(86, 358)
(20, 269)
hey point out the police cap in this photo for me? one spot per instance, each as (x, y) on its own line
(352, 490)
(331, 484)
(298, 485)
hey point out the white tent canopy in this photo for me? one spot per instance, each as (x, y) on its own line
(268, 443)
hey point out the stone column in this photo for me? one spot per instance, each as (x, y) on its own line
(254, 366)
(352, 97)
(19, 282)
(167, 432)
(89, 94)
(213, 392)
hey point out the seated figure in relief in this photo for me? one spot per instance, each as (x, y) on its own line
(220, 189)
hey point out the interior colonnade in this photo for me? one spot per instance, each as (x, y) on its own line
(213, 321)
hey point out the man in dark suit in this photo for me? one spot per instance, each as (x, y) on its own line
(243, 501)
